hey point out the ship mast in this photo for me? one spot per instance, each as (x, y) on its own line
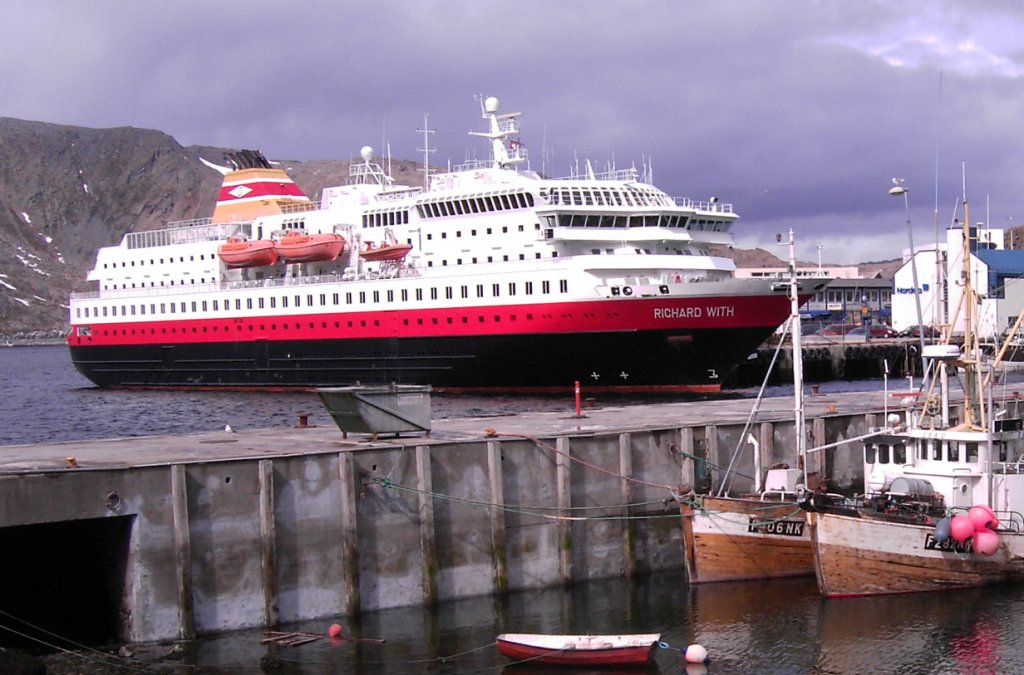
(502, 127)
(426, 150)
(974, 403)
(798, 361)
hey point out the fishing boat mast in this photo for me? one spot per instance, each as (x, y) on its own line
(798, 361)
(974, 403)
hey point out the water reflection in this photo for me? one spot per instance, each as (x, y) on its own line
(779, 626)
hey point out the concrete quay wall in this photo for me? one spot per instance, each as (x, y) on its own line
(827, 358)
(178, 536)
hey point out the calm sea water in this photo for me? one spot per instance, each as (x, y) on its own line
(769, 627)
(45, 399)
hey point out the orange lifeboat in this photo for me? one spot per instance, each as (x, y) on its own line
(391, 251)
(241, 252)
(296, 246)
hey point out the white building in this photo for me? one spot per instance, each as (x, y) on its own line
(996, 275)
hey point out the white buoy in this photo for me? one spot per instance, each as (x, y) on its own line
(696, 654)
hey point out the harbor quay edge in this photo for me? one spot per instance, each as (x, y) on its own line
(207, 533)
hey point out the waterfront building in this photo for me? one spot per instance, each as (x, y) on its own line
(996, 275)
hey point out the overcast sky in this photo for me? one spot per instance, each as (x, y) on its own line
(797, 112)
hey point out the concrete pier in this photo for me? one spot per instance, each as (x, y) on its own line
(169, 537)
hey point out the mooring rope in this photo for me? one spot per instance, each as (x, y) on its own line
(91, 655)
(533, 511)
(589, 465)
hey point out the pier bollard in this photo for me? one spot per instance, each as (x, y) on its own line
(579, 400)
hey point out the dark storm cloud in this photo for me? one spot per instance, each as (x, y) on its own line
(797, 112)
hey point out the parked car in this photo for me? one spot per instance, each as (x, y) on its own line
(877, 330)
(916, 331)
(838, 329)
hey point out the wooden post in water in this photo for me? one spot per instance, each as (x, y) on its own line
(711, 455)
(428, 547)
(268, 542)
(564, 496)
(687, 470)
(499, 554)
(349, 534)
(182, 551)
(626, 494)
(817, 459)
(767, 447)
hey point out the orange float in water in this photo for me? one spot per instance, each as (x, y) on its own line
(334, 631)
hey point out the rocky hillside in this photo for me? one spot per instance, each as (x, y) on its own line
(66, 191)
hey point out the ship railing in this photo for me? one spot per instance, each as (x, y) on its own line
(711, 205)
(473, 165)
(195, 232)
(192, 222)
(508, 125)
(368, 174)
(272, 282)
(620, 175)
(1010, 520)
(152, 291)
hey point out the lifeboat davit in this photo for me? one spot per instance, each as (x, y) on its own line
(393, 251)
(241, 252)
(297, 246)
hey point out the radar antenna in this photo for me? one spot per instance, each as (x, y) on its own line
(502, 127)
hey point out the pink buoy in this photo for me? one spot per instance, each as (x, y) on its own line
(983, 517)
(986, 542)
(334, 631)
(696, 654)
(961, 528)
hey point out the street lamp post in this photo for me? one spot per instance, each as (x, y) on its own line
(897, 190)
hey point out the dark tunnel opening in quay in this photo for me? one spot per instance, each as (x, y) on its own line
(63, 583)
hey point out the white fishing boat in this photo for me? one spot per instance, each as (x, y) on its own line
(943, 494)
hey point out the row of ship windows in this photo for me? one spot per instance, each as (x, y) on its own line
(605, 197)
(605, 220)
(163, 261)
(951, 452)
(430, 263)
(433, 321)
(319, 299)
(385, 219)
(469, 206)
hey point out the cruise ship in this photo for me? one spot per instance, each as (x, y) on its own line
(488, 278)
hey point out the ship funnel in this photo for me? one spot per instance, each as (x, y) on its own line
(254, 188)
